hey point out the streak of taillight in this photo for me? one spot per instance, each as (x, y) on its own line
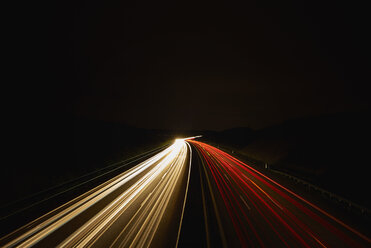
(256, 174)
(226, 202)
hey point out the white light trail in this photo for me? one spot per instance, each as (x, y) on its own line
(153, 183)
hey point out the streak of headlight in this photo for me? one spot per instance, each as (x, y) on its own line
(148, 228)
(87, 200)
(185, 197)
(120, 204)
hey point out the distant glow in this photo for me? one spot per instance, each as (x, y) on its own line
(194, 137)
(188, 138)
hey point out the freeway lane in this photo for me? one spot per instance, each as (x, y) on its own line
(141, 207)
(162, 202)
(252, 210)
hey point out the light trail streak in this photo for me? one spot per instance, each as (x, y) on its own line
(217, 214)
(141, 197)
(185, 197)
(258, 208)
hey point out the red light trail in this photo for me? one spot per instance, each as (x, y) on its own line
(264, 213)
(230, 204)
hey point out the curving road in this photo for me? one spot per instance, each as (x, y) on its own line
(162, 202)
(252, 210)
(141, 207)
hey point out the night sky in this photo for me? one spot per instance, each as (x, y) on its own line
(190, 65)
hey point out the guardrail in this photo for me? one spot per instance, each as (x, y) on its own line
(345, 202)
(349, 205)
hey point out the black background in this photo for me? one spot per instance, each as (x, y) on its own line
(188, 65)
(176, 65)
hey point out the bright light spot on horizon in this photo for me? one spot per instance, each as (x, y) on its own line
(183, 139)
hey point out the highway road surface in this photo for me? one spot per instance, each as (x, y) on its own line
(141, 207)
(247, 209)
(188, 195)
